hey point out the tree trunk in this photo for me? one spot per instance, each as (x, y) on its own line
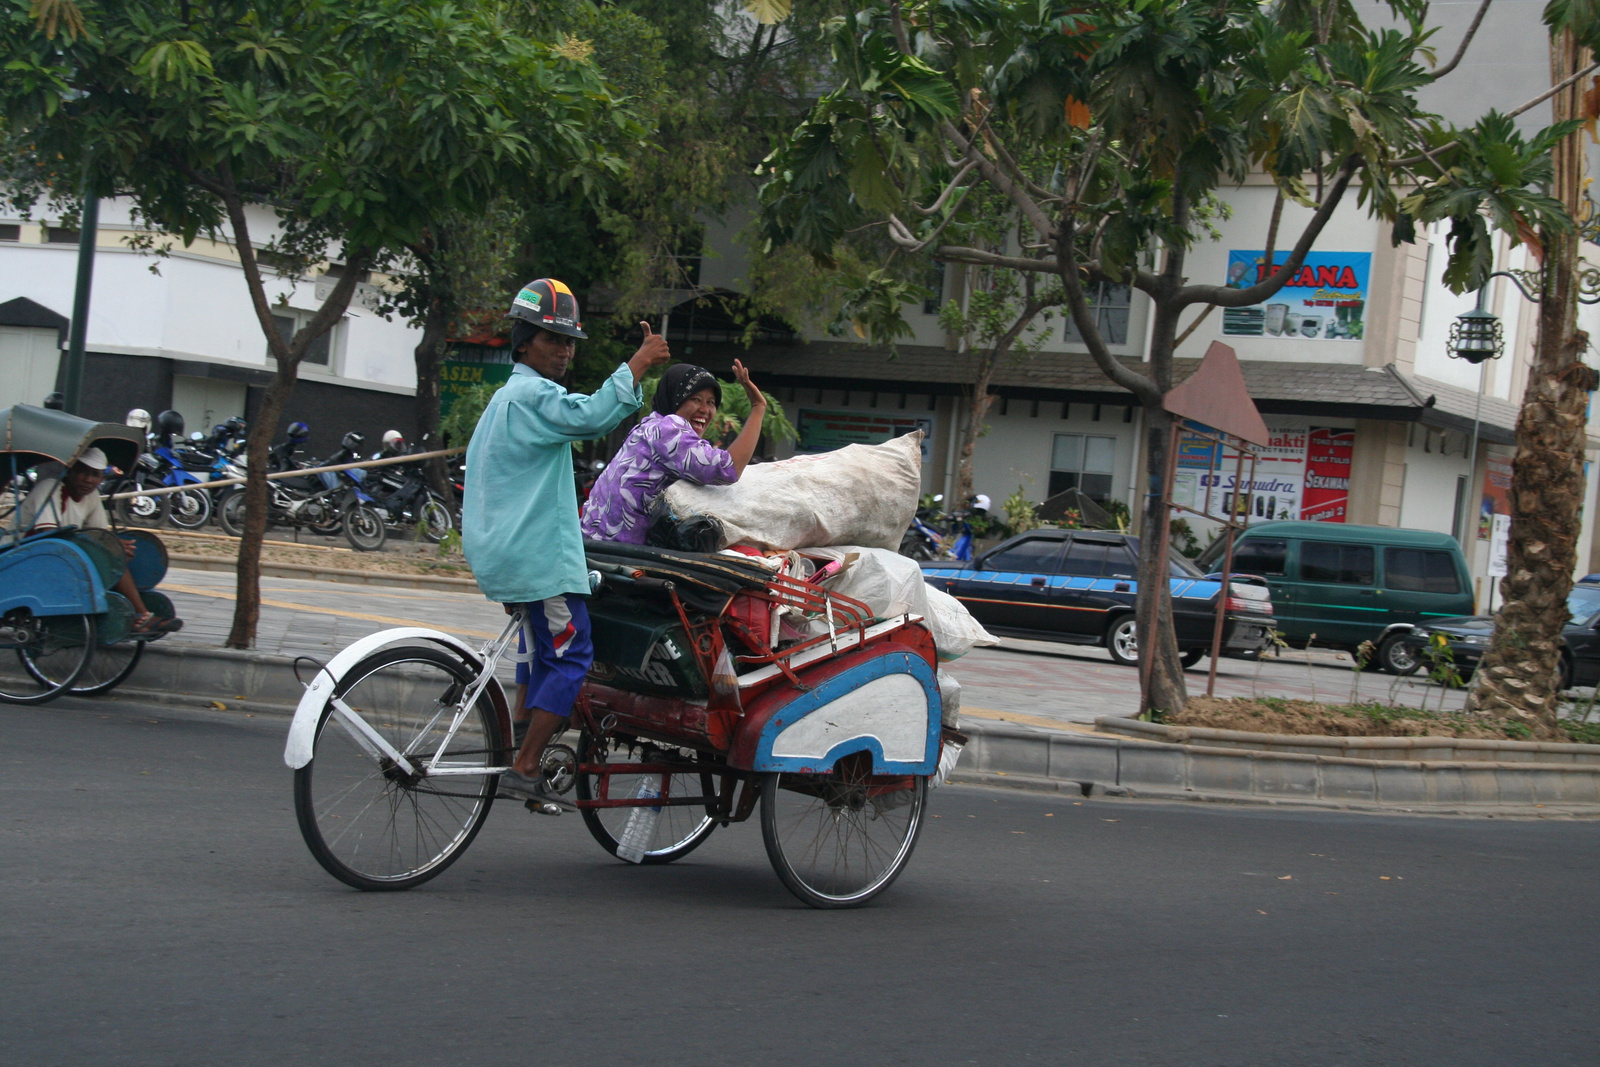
(286, 356)
(1517, 676)
(247, 587)
(1162, 676)
(977, 411)
(428, 356)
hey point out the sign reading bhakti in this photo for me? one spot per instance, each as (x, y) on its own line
(824, 431)
(1325, 300)
(1299, 474)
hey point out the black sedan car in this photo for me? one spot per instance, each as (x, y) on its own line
(1468, 636)
(1078, 586)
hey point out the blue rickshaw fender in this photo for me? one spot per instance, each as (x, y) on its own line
(50, 576)
(298, 750)
(883, 700)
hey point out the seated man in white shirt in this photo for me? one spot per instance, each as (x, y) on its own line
(72, 499)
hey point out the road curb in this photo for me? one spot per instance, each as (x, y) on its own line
(1060, 762)
(1089, 765)
(329, 574)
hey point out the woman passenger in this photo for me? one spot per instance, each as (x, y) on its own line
(669, 444)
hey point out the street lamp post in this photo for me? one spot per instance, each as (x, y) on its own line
(1476, 336)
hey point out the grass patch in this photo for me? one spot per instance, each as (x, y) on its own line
(1276, 715)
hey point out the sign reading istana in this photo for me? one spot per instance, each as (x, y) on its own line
(1325, 300)
(824, 431)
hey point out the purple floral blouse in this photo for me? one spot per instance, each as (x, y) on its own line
(659, 451)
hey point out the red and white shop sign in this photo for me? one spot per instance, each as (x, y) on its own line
(1327, 491)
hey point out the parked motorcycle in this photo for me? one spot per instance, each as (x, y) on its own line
(924, 539)
(323, 503)
(402, 494)
(176, 462)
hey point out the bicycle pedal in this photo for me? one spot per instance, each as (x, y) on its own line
(543, 807)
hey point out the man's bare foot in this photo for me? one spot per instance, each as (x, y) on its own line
(541, 729)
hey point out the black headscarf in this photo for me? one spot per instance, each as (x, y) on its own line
(682, 381)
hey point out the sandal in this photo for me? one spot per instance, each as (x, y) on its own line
(149, 626)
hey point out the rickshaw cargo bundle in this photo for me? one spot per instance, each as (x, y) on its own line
(891, 584)
(855, 495)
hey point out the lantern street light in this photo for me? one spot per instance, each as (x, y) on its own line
(1476, 335)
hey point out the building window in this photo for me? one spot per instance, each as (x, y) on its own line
(320, 354)
(1109, 305)
(1082, 462)
(10, 231)
(337, 270)
(57, 235)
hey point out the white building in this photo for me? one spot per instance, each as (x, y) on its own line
(179, 331)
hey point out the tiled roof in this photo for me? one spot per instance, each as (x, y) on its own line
(1278, 387)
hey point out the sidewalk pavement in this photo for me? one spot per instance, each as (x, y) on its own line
(1030, 684)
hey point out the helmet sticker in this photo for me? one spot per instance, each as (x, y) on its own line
(528, 298)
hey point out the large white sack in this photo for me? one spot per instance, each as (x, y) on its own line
(855, 495)
(891, 584)
(887, 582)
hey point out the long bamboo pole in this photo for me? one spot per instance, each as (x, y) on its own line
(364, 464)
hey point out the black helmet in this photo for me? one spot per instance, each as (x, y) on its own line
(299, 433)
(549, 305)
(55, 402)
(170, 421)
(234, 425)
(353, 441)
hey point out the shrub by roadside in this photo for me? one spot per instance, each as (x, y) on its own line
(1272, 715)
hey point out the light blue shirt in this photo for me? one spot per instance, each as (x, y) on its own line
(519, 514)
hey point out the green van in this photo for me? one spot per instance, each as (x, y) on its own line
(1337, 585)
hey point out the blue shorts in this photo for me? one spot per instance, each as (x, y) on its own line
(557, 633)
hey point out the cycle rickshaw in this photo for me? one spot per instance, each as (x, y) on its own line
(695, 715)
(62, 626)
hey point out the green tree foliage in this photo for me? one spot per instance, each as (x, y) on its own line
(1106, 128)
(355, 124)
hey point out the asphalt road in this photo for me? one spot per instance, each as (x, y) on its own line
(160, 908)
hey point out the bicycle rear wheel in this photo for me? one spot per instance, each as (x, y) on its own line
(679, 829)
(839, 839)
(52, 653)
(368, 822)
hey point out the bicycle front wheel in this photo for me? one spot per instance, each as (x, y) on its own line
(839, 839)
(369, 822)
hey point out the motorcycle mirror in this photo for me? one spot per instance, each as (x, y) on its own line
(197, 436)
(938, 498)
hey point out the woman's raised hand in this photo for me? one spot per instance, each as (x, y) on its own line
(742, 376)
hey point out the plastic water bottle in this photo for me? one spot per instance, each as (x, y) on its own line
(640, 832)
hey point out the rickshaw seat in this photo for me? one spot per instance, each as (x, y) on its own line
(641, 648)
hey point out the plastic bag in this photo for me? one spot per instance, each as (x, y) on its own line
(855, 495)
(949, 700)
(955, 631)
